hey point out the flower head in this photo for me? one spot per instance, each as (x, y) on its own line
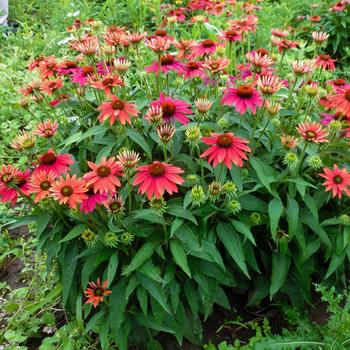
(337, 181)
(57, 163)
(88, 205)
(117, 109)
(312, 132)
(166, 133)
(106, 82)
(204, 47)
(226, 148)
(167, 63)
(97, 292)
(157, 178)
(51, 86)
(10, 180)
(69, 190)
(114, 205)
(319, 37)
(325, 61)
(173, 109)
(23, 141)
(242, 97)
(269, 85)
(193, 69)
(40, 184)
(341, 100)
(104, 175)
(128, 159)
(47, 128)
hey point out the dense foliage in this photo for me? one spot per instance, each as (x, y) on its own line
(164, 168)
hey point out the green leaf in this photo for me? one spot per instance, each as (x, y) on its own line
(182, 213)
(275, 211)
(75, 232)
(139, 139)
(292, 213)
(155, 290)
(336, 261)
(180, 256)
(280, 268)
(310, 203)
(79, 312)
(232, 243)
(175, 226)
(264, 172)
(69, 265)
(42, 221)
(144, 253)
(112, 267)
(243, 228)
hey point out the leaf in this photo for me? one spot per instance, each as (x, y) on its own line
(264, 172)
(155, 290)
(336, 261)
(310, 203)
(182, 213)
(139, 139)
(232, 243)
(112, 267)
(144, 253)
(243, 228)
(69, 265)
(275, 211)
(180, 256)
(175, 226)
(292, 214)
(75, 232)
(280, 268)
(42, 221)
(79, 312)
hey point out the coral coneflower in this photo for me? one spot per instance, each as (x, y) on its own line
(40, 184)
(325, 61)
(230, 35)
(154, 115)
(193, 69)
(10, 178)
(128, 160)
(104, 175)
(106, 82)
(97, 292)
(279, 33)
(242, 97)
(258, 60)
(51, 86)
(47, 128)
(69, 190)
(114, 205)
(167, 63)
(312, 132)
(337, 181)
(88, 205)
(157, 178)
(319, 37)
(303, 67)
(184, 47)
(159, 44)
(269, 85)
(216, 65)
(23, 141)
(173, 109)
(166, 132)
(225, 148)
(341, 100)
(117, 109)
(57, 163)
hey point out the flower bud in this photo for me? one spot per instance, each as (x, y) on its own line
(198, 196)
(233, 206)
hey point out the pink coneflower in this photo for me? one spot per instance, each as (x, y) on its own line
(80, 75)
(203, 105)
(104, 175)
(312, 132)
(154, 114)
(173, 109)
(230, 35)
(40, 184)
(88, 205)
(242, 97)
(269, 85)
(116, 38)
(193, 69)
(166, 132)
(204, 47)
(341, 100)
(57, 163)
(31, 88)
(303, 67)
(157, 178)
(319, 37)
(337, 83)
(36, 63)
(9, 177)
(244, 25)
(279, 33)
(216, 65)
(258, 60)
(328, 117)
(106, 82)
(51, 86)
(128, 160)
(226, 148)
(117, 109)
(159, 44)
(60, 98)
(88, 47)
(339, 6)
(337, 181)
(121, 65)
(136, 38)
(325, 61)
(184, 47)
(97, 292)
(70, 190)
(48, 67)
(167, 63)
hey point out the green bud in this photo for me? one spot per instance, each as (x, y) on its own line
(291, 160)
(110, 239)
(233, 206)
(89, 237)
(158, 205)
(126, 238)
(223, 123)
(198, 196)
(314, 162)
(230, 189)
(344, 219)
(255, 218)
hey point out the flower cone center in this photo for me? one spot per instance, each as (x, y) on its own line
(48, 159)
(45, 185)
(347, 94)
(166, 60)
(337, 179)
(66, 191)
(103, 171)
(168, 109)
(118, 104)
(245, 91)
(157, 169)
(224, 140)
(310, 134)
(208, 43)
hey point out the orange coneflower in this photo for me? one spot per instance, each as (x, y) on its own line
(69, 190)
(47, 128)
(312, 132)
(337, 181)
(40, 184)
(96, 292)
